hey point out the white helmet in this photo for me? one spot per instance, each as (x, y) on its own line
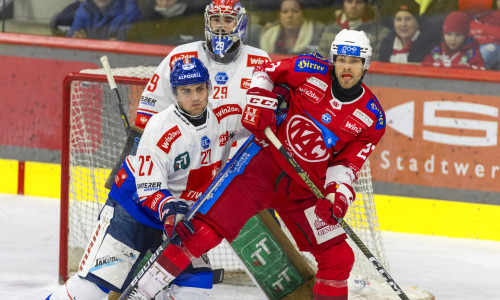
(352, 43)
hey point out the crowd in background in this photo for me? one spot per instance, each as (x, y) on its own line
(441, 33)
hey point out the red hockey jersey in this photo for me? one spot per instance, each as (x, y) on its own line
(330, 139)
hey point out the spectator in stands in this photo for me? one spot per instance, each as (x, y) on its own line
(412, 37)
(432, 10)
(62, 21)
(472, 7)
(485, 28)
(104, 19)
(168, 22)
(458, 50)
(294, 33)
(357, 15)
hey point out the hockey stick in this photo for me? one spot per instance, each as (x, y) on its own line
(131, 290)
(133, 136)
(114, 88)
(378, 266)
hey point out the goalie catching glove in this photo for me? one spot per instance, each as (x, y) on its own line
(339, 197)
(259, 112)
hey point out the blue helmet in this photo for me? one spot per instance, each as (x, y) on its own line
(221, 42)
(190, 72)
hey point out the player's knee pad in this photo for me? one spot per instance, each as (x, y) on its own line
(204, 238)
(78, 288)
(335, 262)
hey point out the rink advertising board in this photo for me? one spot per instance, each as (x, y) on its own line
(438, 139)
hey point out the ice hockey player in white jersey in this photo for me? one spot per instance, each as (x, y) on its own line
(229, 62)
(180, 152)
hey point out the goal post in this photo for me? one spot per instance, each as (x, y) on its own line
(93, 137)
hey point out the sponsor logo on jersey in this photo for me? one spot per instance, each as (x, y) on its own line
(221, 78)
(168, 138)
(245, 83)
(375, 108)
(223, 138)
(315, 55)
(307, 140)
(153, 200)
(226, 110)
(311, 95)
(183, 55)
(349, 50)
(120, 177)
(352, 126)
(255, 60)
(326, 118)
(148, 101)
(149, 186)
(363, 117)
(205, 142)
(355, 170)
(318, 83)
(336, 104)
(182, 161)
(310, 66)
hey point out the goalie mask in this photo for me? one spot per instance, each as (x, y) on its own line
(225, 27)
(352, 43)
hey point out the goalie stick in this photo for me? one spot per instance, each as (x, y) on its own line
(133, 136)
(378, 266)
(131, 290)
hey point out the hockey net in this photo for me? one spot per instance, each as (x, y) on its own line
(94, 136)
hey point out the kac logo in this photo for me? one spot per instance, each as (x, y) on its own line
(205, 142)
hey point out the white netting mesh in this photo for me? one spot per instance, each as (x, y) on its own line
(97, 137)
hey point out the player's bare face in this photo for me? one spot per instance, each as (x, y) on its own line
(348, 70)
(222, 23)
(192, 98)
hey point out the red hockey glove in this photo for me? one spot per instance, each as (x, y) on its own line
(172, 214)
(259, 112)
(338, 198)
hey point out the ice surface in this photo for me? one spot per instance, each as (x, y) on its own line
(449, 268)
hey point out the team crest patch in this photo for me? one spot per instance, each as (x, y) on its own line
(375, 108)
(310, 66)
(120, 177)
(167, 140)
(336, 104)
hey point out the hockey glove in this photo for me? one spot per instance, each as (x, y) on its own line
(338, 198)
(172, 214)
(259, 112)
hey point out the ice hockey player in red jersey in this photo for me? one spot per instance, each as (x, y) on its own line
(332, 125)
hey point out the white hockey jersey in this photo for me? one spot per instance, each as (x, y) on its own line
(229, 81)
(174, 158)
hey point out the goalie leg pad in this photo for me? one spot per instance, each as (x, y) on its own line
(117, 248)
(334, 266)
(78, 288)
(188, 293)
